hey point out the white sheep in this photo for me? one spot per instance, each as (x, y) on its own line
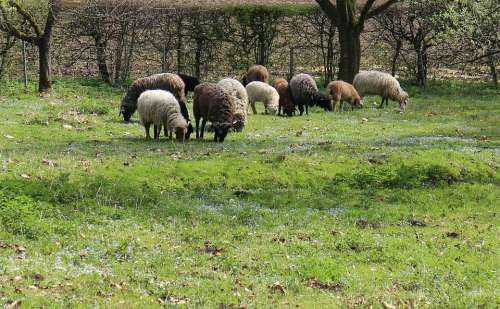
(240, 96)
(262, 92)
(161, 108)
(382, 84)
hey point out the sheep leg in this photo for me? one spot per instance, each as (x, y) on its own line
(146, 127)
(157, 130)
(197, 126)
(382, 105)
(307, 109)
(203, 123)
(254, 110)
(301, 109)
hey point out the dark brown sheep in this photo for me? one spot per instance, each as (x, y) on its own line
(286, 102)
(257, 73)
(213, 104)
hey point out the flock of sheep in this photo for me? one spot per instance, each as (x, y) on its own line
(161, 101)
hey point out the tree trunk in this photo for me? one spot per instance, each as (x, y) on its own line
(493, 69)
(180, 54)
(395, 58)
(197, 57)
(44, 83)
(350, 53)
(100, 45)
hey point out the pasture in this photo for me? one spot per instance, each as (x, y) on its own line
(366, 208)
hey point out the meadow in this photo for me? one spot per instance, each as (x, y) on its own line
(358, 209)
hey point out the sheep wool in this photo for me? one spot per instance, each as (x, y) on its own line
(285, 102)
(341, 91)
(262, 92)
(240, 96)
(305, 93)
(189, 82)
(212, 103)
(257, 73)
(381, 84)
(164, 81)
(160, 108)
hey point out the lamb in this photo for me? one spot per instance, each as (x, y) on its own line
(165, 81)
(189, 81)
(285, 102)
(214, 104)
(341, 91)
(257, 73)
(306, 93)
(160, 108)
(259, 91)
(382, 84)
(240, 96)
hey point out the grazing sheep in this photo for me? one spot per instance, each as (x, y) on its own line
(286, 102)
(214, 104)
(165, 81)
(382, 84)
(257, 73)
(189, 81)
(240, 96)
(341, 91)
(259, 91)
(160, 108)
(306, 93)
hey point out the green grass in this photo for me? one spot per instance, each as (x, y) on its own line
(395, 209)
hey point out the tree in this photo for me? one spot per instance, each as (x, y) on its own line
(7, 41)
(350, 19)
(14, 15)
(419, 23)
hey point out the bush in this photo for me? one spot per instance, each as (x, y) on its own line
(18, 216)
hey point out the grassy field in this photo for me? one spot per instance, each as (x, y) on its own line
(365, 208)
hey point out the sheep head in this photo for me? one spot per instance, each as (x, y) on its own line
(239, 122)
(322, 100)
(221, 129)
(404, 99)
(180, 133)
(126, 110)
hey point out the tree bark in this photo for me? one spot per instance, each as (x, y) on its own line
(100, 45)
(493, 69)
(395, 58)
(44, 83)
(350, 54)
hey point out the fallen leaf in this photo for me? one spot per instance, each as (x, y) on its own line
(18, 278)
(49, 162)
(67, 126)
(12, 304)
(37, 277)
(9, 136)
(364, 119)
(388, 306)
(26, 176)
(452, 234)
(315, 283)
(278, 287)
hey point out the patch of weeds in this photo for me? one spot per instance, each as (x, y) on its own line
(323, 271)
(19, 215)
(92, 107)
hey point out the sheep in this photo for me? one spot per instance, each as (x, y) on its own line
(160, 108)
(190, 82)
(341, 91)
(257, 73)
(214, 104)
(382, 84)
(240, 96)
(306, 93)
(164, 81)
(259, 91)
(285, 102)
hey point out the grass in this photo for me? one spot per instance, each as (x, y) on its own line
(365, 208)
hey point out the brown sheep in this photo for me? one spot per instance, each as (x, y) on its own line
(341, 91)
(286, 102)
(257, 73)
(213, 104)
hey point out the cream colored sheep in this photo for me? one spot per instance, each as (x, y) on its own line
(240, 96)
(382, 84)
(262, 92)
(161, 108)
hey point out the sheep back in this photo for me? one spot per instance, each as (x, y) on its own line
(214, 104)
(190, 82)
(381, 84)
(286, 101)
(240, 96)
(257, 73)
